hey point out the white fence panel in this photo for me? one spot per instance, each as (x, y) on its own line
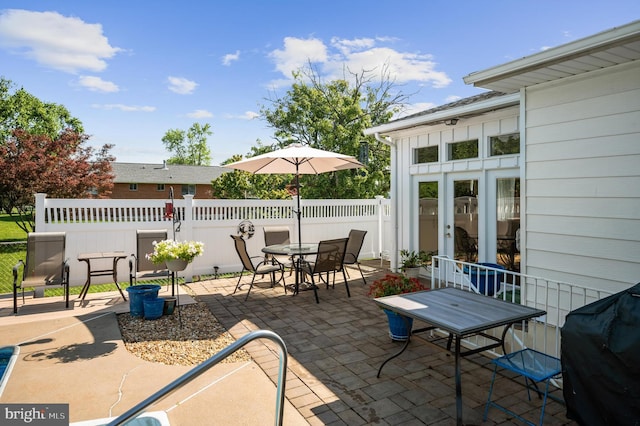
(94, 225)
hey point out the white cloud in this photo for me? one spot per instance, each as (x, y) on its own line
(452, 98)
(96, 84)
(297, 53)
(356, 55)
(347, 46)
(125, 108)
(230, 57)
(181, 85)
(248, 115)
(200, 113)
(55, 41)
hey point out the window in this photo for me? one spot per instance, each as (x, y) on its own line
(188, 190)
(504, 144)
(428, 154)
(160, 187)
(133, 187)
(462, 150)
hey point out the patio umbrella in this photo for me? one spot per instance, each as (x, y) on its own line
(297, 159)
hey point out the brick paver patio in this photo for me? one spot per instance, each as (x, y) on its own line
(336, 347)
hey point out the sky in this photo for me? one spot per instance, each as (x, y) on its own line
(132, 70)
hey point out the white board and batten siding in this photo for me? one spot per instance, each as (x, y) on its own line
(503, 121)
(583, 178)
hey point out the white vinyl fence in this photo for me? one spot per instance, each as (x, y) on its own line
(94, 225)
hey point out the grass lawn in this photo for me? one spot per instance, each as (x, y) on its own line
(9, 230)
(10, 252)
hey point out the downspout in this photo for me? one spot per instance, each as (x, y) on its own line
(393, 255)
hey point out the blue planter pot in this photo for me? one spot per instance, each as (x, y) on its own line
(137, 295)
(398, 329)
(485, 281)
(153, 308)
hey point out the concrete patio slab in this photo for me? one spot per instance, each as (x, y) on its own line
(77, 357)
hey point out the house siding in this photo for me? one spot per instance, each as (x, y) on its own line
(583, 178)
(149, 191)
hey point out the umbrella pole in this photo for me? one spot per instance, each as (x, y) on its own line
(299, 224)
(299, 274)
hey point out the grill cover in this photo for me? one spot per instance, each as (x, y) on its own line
(601, 361)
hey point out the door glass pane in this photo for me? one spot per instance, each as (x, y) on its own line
(428, 217)
(508, 223)
(465, 210)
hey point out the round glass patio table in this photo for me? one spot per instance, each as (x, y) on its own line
(295, 249)
(299, 251)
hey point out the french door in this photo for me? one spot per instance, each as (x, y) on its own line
(464, 215)
(472, 217)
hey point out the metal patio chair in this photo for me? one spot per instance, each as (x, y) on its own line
(141, 268)
(262, 268)
(278, 235)
(329, 260)
(352, 252)
(45, 265)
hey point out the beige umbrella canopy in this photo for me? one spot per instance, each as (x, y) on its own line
(297, 159)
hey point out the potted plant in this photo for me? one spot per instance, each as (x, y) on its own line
(411, 262)
(392, 284)
(176, 254)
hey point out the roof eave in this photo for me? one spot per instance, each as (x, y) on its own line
(601, 41)
(438, 117)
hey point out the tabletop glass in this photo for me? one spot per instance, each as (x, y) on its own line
(292, 249)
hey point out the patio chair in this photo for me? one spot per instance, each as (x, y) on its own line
(354, 245)
(45, 265)
(278, 235)
(535, 367)
(141, 268)
(330, 259)
(262, 268)
(465, 245)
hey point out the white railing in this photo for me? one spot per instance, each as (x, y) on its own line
(555, 297)
(94, 225)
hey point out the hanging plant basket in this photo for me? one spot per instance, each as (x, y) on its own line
(176, 265)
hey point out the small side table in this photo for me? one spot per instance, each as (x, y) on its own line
(116, 256)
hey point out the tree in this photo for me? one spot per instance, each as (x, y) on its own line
(239, 185)
(22, 110)
(61, 167)
(333, 116)
(189, 147)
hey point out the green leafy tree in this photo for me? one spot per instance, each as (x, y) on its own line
(21, 110)
(332, 116)
(189, 147)
(237, 184)
(61, 167)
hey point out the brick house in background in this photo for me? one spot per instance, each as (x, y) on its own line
(152, 181)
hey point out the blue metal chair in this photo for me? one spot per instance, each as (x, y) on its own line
(533, 365)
